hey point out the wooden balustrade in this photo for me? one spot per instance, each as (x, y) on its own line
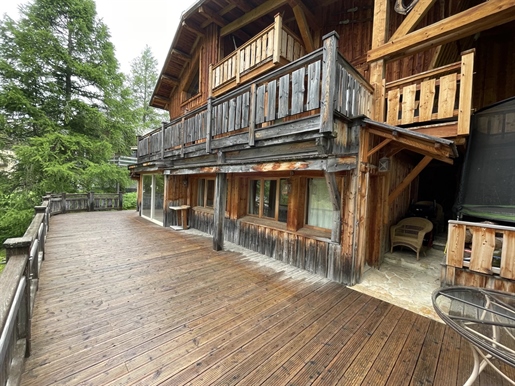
(18, 286)
(274, 46)
(77, 202)
(294, 92)
(481, 255)
(442, 93)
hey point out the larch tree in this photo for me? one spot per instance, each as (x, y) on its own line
(142, 80)
(66, 112)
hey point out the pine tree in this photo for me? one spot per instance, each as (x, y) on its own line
(142, 80)
(61, 93)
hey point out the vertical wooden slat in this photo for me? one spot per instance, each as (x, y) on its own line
(272, 96)
(252, 54)
(508, 256)
(260, 104)
(483, 245)
(314, 86)
(289, 49)
(278, 27)
(258, 51)
(392, 116)
(466, 80)
(237, 124)
(252, 114)
(232, 114)
(447, 96)
(408, 103)
(344, 85)
(297, 91)
(456, 245)
(284, 94)
(270, 44)
(245, 109)
(427, 99)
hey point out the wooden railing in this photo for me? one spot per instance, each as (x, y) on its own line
(79, 202)
(481, 255)
(442, 93)
(20, 277)
(313, 88)
(18, 286)
(275, 45)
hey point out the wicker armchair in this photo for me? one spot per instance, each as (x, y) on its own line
(409, 232)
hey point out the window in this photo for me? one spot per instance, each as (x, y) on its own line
(269, 198)
(320, 210)
(206, 192)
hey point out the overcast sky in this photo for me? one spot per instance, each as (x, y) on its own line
(133, 24)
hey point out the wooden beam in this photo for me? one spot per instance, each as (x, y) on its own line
(169, 79)
(336, 200)
(219, 205)
(413, 18)
(211, 15)
(160, 98)
(465, 104)
(409, 178)
(379, 147)
(423, 147)
(249, 17)
(476, 19)
(192, 28)
(245, 7)
(300, 17)
(308, 15)
(180, 54)
(377, 69)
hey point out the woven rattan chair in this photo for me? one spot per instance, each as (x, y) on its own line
(409, 232)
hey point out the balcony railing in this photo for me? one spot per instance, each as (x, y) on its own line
(313, 88)
(442, 93)
(479, 254)
(274, 46)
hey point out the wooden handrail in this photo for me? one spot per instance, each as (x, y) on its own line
(484, 239)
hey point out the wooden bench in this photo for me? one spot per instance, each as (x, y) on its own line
(410, 232)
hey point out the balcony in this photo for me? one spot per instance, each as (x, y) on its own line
(295, 102)
(436, 102)
(273, 47)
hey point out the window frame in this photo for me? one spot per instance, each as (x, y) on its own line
(278, 195)
(204, 183)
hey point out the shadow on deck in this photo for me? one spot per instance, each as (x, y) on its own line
(124, 301)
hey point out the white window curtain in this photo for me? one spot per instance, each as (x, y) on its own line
(319, 204)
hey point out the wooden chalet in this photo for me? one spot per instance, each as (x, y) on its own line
(303, 129)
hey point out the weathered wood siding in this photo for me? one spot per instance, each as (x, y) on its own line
(314, 255)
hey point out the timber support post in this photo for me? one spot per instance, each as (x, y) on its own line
(208, 123)
(220, 194)
(330, 54)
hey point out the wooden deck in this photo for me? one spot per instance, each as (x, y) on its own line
(123, 301)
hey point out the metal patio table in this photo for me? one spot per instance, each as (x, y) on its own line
(486, 319)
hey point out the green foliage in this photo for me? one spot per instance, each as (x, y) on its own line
(64, 108)
(16, 213)
(142, 80)
(2, 260)
(130, 200)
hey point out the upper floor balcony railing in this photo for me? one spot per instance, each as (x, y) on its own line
(311, 89)
(273, 47)
(444, 93)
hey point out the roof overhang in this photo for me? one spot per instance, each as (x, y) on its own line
(399, 138)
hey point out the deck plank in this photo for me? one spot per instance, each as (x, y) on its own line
(123, 301)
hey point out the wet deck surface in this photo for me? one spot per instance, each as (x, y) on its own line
(123, 301)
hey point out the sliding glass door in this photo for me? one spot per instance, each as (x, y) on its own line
(153, 196)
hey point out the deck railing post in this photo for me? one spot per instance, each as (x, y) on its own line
(63, 203)
(208, 123)
(330, 55)
(19, 248)
(91, 201)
